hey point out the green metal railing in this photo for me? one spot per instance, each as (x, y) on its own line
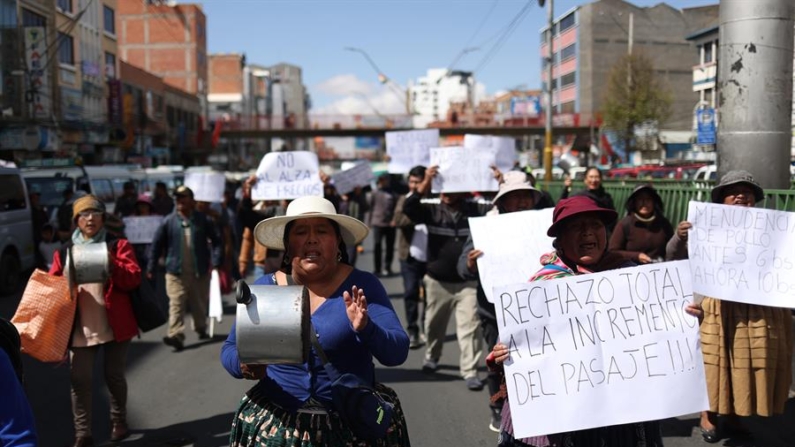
(675, 195)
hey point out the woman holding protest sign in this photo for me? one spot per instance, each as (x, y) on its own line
(294, 404)
(641, 236)
(580, 231)
(747, 348)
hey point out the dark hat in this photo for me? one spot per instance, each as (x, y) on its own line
(574, 206)
(183, 190)
(733, 178)
(114, 225)
(648, 188)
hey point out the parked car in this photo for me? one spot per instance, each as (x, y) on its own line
(17, 250)
(105, 182)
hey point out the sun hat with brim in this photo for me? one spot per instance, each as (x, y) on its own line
(516, 181)
(270, 232)
(647, 188)
(575, 206)
(733, 178)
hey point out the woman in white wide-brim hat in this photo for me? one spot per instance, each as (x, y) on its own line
(353, 317)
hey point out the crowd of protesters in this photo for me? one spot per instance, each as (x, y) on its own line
(748, 363)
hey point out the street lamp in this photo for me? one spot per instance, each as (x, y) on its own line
(384, 79)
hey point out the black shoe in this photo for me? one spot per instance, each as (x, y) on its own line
(204, 335)
(711, 436)
(174, 342)
(415, 342)
(496, 420)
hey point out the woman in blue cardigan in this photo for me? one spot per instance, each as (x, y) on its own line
(291, 405)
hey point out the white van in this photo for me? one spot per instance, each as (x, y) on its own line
(557, 174)
(704, 173)
(17, 250)
(105, 182)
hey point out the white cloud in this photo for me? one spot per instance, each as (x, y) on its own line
(345, 84)
(358, 97)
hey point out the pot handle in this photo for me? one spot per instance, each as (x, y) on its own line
(242, 292)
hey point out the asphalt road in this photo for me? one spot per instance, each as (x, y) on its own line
(187, 399)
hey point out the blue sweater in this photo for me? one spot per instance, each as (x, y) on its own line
(290, 386)
(16, 419)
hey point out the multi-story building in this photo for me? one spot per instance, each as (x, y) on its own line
(588, 40)
(430, 95)
(287, 87)
(28, 97)
(166, 39)
(86, 53)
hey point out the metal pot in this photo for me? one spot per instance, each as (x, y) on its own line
(90, 263)
(272, 324)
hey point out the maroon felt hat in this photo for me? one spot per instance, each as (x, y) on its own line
(574, 206)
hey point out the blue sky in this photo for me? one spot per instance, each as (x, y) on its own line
(403, 37)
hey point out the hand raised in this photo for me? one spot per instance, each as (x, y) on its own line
(356, 308)
(681, 229)
(500, 353)
(472, 260)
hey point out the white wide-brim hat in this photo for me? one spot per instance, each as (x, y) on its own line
(270, 232)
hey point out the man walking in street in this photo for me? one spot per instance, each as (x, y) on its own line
(186, 237)
(162, 204)
(412, 248)
(382, 210)
(446, 291)
(125, 205)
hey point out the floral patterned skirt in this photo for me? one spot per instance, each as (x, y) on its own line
(260, 423)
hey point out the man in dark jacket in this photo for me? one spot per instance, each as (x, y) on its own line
(446, 291)
(125, 205)
(186, 237)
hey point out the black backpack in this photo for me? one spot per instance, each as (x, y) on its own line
(12, 345)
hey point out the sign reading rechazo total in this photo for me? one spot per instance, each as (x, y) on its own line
(463, 170)
(742, 254)
(597, 342)
(410, 148)
(287, 175)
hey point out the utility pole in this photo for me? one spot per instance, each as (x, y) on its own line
(755, 76)
(548, 133)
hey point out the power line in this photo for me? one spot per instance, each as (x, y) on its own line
(505, 34)
(467, 48)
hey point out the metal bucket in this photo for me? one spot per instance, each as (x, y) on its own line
(90, 263)
(272, 324)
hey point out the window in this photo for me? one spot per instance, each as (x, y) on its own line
(66, 49)
(567, 107)
(170, 116)
(65, 6)
(567, 79)
(110, 65)
(103, 190)
(568, 52)
(708, 52)
(30, 18)
(566, 22)
(12, 194)
(110, 19)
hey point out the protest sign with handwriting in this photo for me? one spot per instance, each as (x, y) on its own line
(206, 186)
(742, 254)
(141, 229)
(287, 175)
(504, 148)
(507, 260)
(462, 170)
(359, 175)
(596, 343)
(410, 148)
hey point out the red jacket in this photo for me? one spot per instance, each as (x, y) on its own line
(125, 276)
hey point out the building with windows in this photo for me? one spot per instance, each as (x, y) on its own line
(588, 40)
(168, 40)
(430, 96)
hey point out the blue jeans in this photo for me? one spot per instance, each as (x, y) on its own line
(412, 271)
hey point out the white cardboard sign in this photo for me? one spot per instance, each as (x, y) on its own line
(206, 186)
(515, 258)
(462, 170)
(410, 148)
(141, 229)
(287, 175)
(596, 343)
(504, 148)
(359, 175)
(742, 254)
